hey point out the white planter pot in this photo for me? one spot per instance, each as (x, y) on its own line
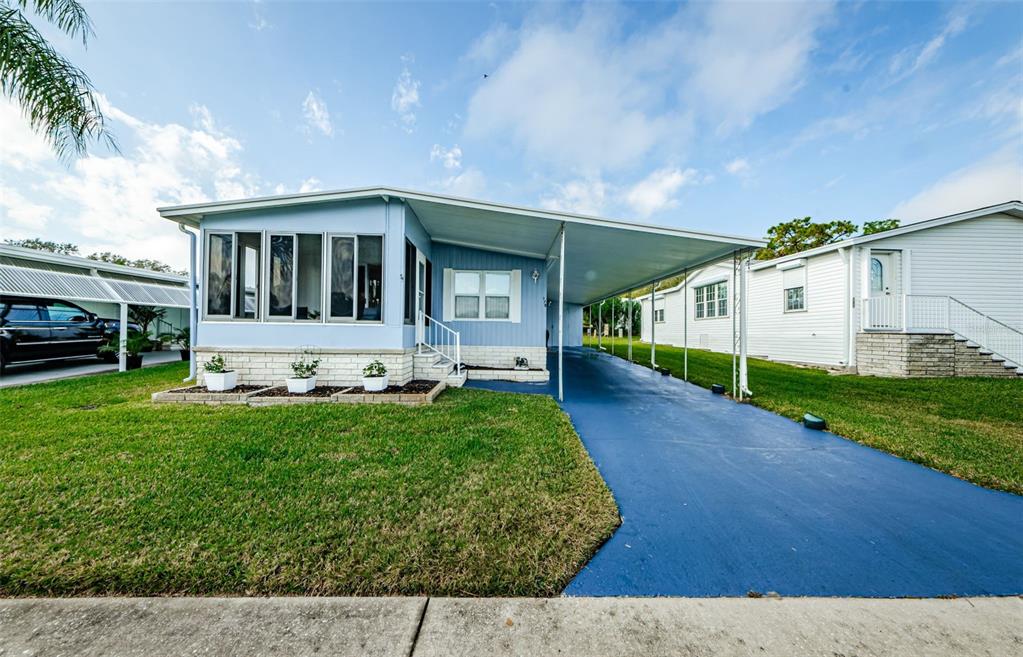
(375, 383)
(221, 381)
(300, 386)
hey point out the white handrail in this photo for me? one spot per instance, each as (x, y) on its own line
(927, 312)
(442, 340)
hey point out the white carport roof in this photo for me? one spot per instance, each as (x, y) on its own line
(603, 257)
(71, 278)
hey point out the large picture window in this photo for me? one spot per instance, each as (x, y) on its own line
(711, 300)
(483, 294)
(282, 277)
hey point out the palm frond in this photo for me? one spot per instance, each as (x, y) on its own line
(56, 97)
(68, 15)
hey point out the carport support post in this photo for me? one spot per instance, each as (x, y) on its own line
(685, 326)
(653, 322)
(600, 325)
(743, 306)
(612, 326)
(561, 318)
(630, 328)
(122, 340)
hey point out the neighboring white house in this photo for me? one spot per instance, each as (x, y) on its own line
(891, 303)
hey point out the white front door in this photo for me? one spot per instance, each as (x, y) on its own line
(881, 265)
(885, 289)
(421, 284)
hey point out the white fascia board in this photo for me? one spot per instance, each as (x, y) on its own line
(791, 264)
(192, 213)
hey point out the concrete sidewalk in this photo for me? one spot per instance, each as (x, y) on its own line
(20, 375)
(583, 627)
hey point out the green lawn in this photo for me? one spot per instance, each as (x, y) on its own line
(104, 492)
(970, 428)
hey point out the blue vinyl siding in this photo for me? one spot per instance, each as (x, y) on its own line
(530, 331)
(573, 324)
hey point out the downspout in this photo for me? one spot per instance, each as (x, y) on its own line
(192, 314)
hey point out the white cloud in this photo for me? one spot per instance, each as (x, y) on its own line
(576, 96)
(910, 60)
(580, 196)
(738, 166)
(108, 202)
(405, 97)
(749, 58)
(996, 179)
(451, 158)
(311, 184)
(657, 191)
(22, 212)
(316, 114)
(259, 21)
(470, 183)
(21, 147)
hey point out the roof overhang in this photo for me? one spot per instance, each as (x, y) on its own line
(603, 257)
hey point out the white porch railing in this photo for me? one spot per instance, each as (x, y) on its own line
(922, 312)
(440, 339)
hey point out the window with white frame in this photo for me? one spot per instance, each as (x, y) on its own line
(794, 289)
(293, 276)
(659, 310)
(711, 300)
(482, 294)
(233, 263)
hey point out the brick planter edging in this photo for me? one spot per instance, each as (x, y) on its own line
(239, 398)
(204, 397)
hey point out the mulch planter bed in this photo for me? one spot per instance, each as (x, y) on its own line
(318, 391)
(204, 389)
(416, 386)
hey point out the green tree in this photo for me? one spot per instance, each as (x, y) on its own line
(55, 96)
(145, 315)
(798, 235)
(618, 309)
(871, 227)
(63, 248)
(140, 263)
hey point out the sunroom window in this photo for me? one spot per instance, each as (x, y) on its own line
(295, 275)
(356, 277)
(232, 275)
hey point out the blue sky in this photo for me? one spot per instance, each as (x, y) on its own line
(715, 116)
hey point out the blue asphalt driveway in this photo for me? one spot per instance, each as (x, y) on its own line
(720, 499)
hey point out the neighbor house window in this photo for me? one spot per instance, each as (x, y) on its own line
(659, 310)
(483, 294)
(793, 282)
(711, 300)
(232, 274)
(356, 277)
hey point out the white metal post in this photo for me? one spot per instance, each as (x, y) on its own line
(612, 326)
(630, 328)
(561, 319)
(193, 303)
(600, 325)
(743, 306)
(122, 356)
(653, 322)
(685, 326)
(735, 338)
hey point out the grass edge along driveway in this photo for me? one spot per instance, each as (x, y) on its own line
(971, 428)
(103, 492)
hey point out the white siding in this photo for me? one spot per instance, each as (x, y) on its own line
(979, 262)
(815, 335)
(713, 333)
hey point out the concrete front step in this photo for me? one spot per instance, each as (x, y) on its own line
(973, 360)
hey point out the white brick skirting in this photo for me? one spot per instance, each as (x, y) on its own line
(922, 354)
(503, 357)
(338, 367)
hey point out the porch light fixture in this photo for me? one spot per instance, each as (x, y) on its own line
(536, 276)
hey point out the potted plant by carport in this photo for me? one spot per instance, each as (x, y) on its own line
(304, 378)
(134, 345)
(183, 338)
(374, 377)
(218, 378)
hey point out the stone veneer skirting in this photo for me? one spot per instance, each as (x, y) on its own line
(338, 367)
(922, 354)
(503, 357)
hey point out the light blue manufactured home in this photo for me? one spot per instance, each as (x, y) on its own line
(422, 282)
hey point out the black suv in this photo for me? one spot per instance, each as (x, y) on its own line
(33, 329)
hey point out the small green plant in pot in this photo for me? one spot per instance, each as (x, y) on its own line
(303, 377)
(218, 378)
(132, 347)
(374, 377)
